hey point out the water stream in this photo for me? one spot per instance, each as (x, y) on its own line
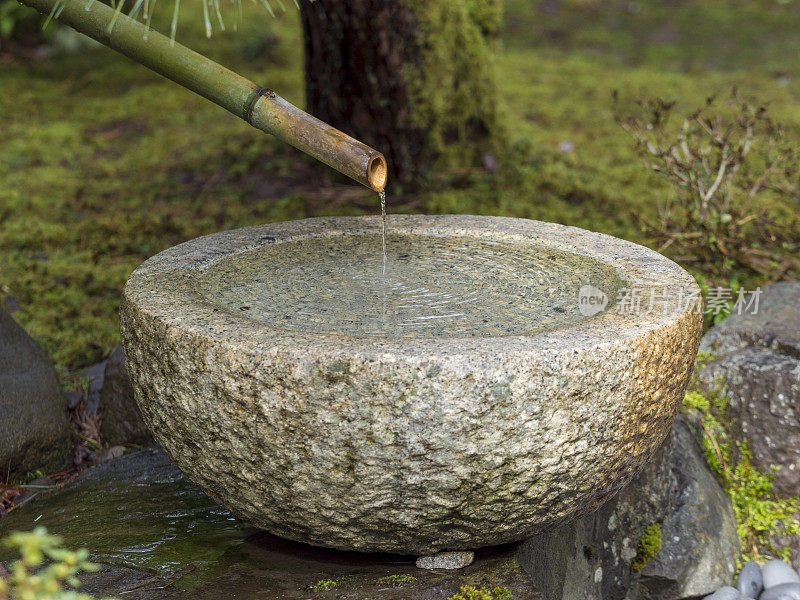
(383, 215)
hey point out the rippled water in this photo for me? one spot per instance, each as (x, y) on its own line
(433, 286)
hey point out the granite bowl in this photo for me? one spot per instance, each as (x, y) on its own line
(436, 440)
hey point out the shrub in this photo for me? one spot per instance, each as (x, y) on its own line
(734, 177)
(31, 579)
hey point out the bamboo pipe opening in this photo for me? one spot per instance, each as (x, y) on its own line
(377, 172)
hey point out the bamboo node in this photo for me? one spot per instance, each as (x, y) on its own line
(257, 93)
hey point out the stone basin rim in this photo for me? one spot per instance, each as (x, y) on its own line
(164, 287)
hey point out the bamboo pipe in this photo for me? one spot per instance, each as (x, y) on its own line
(260, 107)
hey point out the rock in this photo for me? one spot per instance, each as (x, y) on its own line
(397, 443)
(34, 430)
(446, 560)
(776, 572)
(592, 558)
(784, 591)
(783, 539)
(94, 375)
(122, 423)
(700, 542)
(110, 394)
(757, 360)
(750, 581)
(73, 398)
(11, 305)
(113, 453)
(725, 593)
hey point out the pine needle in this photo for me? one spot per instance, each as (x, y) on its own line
(149, 10)
(174, 26)
(117, 12)
(145, 9)
(206, 20)
(219, 14)
(137, 6)
(269, 8)
(56, 9)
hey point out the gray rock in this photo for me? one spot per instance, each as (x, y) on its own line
(73, 398)
(700, 542)
(94, 375)
(776, 572)
(592, 558)
(784, 591)
(110, 394)
(406, 444)
(750, 582)
(122, 423)
(725, 593)
(780, 538)
(446, 560)
(11, 305)
(757, 360)
(34, 430)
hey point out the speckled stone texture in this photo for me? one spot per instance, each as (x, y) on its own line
(410, 445)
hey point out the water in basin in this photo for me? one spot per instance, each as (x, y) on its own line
(433, 286)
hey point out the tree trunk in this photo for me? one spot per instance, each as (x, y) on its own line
(414, 78)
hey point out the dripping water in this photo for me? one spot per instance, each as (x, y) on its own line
(382, 196)
(384, 291)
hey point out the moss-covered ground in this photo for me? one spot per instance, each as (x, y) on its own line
(103, 163)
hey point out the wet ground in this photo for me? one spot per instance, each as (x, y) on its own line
(158, 537)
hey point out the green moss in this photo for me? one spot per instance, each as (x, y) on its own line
(396, 580)
(649, 546)
(469, 592)
(702, 359)
(324, 585)
(454, 89)
(697, 401)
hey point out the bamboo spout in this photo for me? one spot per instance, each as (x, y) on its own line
(260, 107)
(285, 121)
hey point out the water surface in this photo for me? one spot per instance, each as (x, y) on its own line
(432, 285)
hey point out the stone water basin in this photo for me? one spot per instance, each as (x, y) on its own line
(469, 396)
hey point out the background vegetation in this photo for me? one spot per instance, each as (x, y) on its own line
(103, 164)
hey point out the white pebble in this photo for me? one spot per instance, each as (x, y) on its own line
(726, 593)
(776, 572)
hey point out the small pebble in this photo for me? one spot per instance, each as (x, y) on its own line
(750, 582)
(783, 591)
(446, 560)
(726, 593)
(776, 572)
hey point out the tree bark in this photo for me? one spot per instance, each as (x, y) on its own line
(414, 78)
